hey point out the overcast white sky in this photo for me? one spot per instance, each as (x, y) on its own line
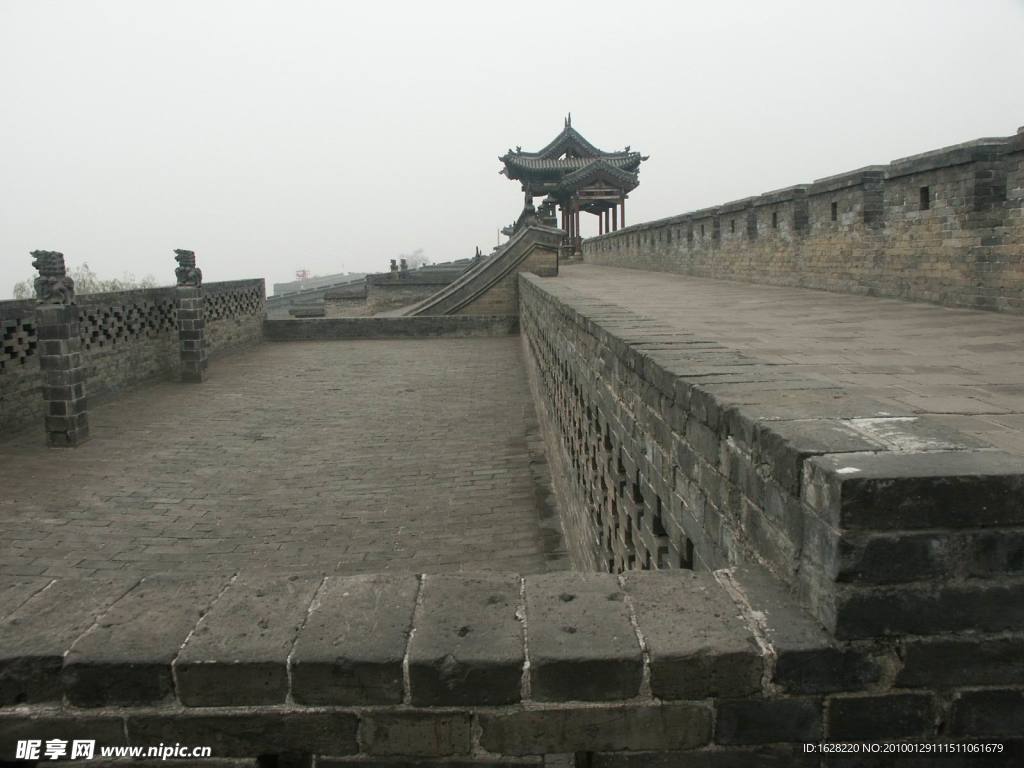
(271, 136)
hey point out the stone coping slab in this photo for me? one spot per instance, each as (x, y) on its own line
(729, 663)
(460, 639)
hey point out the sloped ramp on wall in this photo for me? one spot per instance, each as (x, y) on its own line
(491, 287)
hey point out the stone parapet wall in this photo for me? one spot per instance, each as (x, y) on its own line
(680, 453)
(390, 290)
(391, 294)
(672, 453)
(427, 326)
(126, 337)
(945, 226)
(234, 314)
(465, 669)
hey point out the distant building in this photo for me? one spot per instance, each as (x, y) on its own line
(283, 289)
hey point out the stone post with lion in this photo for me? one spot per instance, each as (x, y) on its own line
(191, 317)
(66, 416)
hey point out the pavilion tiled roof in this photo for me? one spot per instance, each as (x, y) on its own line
(568, 161)
(624, 160)
(569, 140)
(600, 169)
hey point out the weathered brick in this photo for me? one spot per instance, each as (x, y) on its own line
(352, 646)
(568, 729)
(880, 717)
(784, 445)
(424, 734)
(468, 645)
(894, 558)
(16, 590)
(961, 661)
(766, 721)
(239, 652)
(35, 637)
(126, 658)
(698, 644)
(807, 660)
(988, 714)
(979, 606)
(957, 489)
(581, 643)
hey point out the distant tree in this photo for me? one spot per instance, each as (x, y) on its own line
(416, 259)
(87, 281)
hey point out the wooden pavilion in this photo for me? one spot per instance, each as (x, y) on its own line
(577, 177)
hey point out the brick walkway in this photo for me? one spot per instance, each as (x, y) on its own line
(964, 368)
(321, 457)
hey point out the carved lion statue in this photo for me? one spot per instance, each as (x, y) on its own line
(187, 272)
(53, 286)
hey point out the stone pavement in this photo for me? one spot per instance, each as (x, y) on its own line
(339, 457)
(965, 368)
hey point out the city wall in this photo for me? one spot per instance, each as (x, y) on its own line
(945, 226)
(679, 453)
(738, 593)
(126, 338)
(671, 453)
(755, 570)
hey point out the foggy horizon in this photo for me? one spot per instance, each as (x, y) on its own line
(275, 137)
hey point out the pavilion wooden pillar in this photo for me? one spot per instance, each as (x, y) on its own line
(600, 223)
(623, 210)
(615, 218)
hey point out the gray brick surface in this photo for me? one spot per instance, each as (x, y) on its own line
(881, 717)
(35, 637)
(426, 734)
(238, 653)
(648, 727)
(581, 643)
(698, 642)
(354, 641)
(341, 457)
(468, 646)
(126, 658)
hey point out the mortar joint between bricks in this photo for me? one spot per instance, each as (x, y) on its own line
(645, 679)
(417, 611)
(314, 603)
(95, 623)
(525, 691)
(202, 618)
(756, 623)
